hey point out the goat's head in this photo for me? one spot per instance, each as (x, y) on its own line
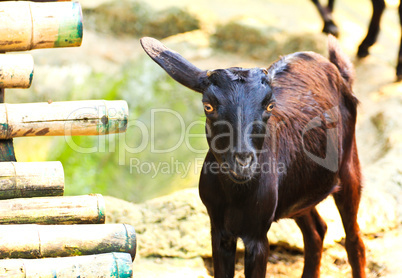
(237, 103)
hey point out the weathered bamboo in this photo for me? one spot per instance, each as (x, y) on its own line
(40, 241)
(31, 179)
(88, 209)
(92, 117)
(27, 25)
(16, 71)
(116, 265)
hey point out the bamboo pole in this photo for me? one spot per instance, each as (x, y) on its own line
(16, 71)
(116, 265)
(92, 117)
(87, 209)
(31, 179)
(40, 241)
(27, 25)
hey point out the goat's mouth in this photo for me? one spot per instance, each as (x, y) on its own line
(237, 177)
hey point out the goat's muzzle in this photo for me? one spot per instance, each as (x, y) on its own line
(242, 167)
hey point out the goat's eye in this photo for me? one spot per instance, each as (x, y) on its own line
(208, 108)
(270, 107)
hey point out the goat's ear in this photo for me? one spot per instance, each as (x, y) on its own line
(175, 65)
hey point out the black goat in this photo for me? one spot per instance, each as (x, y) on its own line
(281, 140)
(372, 33)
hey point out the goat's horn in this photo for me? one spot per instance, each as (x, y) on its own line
(174, 64)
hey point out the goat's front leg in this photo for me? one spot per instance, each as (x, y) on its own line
(256, 257)
(223, 253)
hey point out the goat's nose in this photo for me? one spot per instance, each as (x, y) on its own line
(244, 159)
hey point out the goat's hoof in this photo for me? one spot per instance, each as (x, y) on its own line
(362, 52)
(331, 28)
(398, 76)
(399, 72)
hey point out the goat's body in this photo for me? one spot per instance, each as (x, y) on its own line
(294, 183)
(284, 139)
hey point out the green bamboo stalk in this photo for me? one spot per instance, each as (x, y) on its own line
(40, 241)
(26, 25)
(87, 209)
(117, 265)
(31, 179)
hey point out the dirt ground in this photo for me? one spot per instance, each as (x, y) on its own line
(383, 253)
(383, 259)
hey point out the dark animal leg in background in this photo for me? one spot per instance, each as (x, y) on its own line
(223, 253)
(374, 28)
(331, 5)
(347, 200)
(313, 228)
(256, 257)
(399, 65)
(326, 14)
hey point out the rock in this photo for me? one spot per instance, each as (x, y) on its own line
(176, 225)
(377, 213)
(384, 171)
